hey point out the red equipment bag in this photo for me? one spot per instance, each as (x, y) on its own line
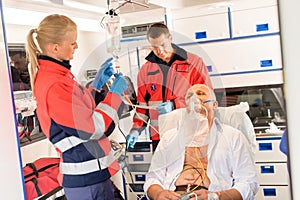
(41, 178)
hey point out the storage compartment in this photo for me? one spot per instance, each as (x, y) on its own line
(199, 24)
(248, 20)
(273, 193)
(135, 177)
(244, 55)
(272, 173)
(201, 28)
(267, 149)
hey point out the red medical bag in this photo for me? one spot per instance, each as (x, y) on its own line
(41, 178)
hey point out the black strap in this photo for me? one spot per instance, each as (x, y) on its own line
(52, 192)
(36, 171)
(191, 187)
(38, 191)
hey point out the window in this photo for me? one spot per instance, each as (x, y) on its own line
(266, 103)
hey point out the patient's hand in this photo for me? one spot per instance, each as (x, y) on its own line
(201, 195)
(156, 192)
(167, 195)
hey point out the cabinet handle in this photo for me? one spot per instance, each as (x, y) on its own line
(138, 157)
(209, 68)
(269, 169)
(262, 27)
(268, 192)
(200, 35)
(266, 63)
(140, 177)
(265, 146)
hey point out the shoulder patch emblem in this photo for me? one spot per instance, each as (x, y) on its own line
(153, 87)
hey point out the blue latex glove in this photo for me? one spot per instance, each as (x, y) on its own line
(283, 143)
(119, 85)
(131, 138)
(165, 107)
(105, 72)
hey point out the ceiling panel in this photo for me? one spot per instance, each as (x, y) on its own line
(95, 9)
(87, 7)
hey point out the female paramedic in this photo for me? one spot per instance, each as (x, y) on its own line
(67, 113)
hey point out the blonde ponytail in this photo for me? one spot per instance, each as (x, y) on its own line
(32, 52)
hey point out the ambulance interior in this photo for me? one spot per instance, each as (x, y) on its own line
(239, 41)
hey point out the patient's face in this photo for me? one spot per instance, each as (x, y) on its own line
(203, 94)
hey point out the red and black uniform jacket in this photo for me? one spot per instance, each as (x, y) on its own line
(77, 127)
(160, 82)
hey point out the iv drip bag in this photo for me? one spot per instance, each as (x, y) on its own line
(112, 33)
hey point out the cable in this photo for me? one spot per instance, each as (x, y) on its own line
(129, 102)
(188, 188)
(177, 175)
(126, 165)
(188, 192)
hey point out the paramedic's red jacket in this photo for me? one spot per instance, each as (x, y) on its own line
(75, 125)
(159, 82)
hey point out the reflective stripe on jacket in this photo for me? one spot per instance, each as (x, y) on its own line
(75, 125)
(182, 74)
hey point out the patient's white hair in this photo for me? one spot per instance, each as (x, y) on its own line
(190, 92)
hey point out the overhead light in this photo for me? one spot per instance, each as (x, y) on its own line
(76, 5)
(59, 2)
(33, 18)
(83, 6)
(220, 5)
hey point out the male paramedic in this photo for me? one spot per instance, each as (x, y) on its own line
(163, 81)
(202, 158)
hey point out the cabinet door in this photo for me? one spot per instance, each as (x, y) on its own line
(268, 150)
(135, 177)
(254, 21)
(273, 192)
(201, 28)
(272, 173)
(251, 54)
(247, 79)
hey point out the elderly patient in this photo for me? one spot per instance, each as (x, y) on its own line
(202, 158)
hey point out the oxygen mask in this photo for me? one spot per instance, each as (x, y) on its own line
(195, 124)
(194, 105)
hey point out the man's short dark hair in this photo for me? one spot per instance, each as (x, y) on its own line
(157, 30)
(16, 52)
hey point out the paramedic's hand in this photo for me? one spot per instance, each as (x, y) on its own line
(105, 72)
(119, 85)
(131, 138)
(165, 107)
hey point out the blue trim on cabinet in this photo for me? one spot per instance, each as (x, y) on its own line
(230, 23)
(229, 39)
(245, 72)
